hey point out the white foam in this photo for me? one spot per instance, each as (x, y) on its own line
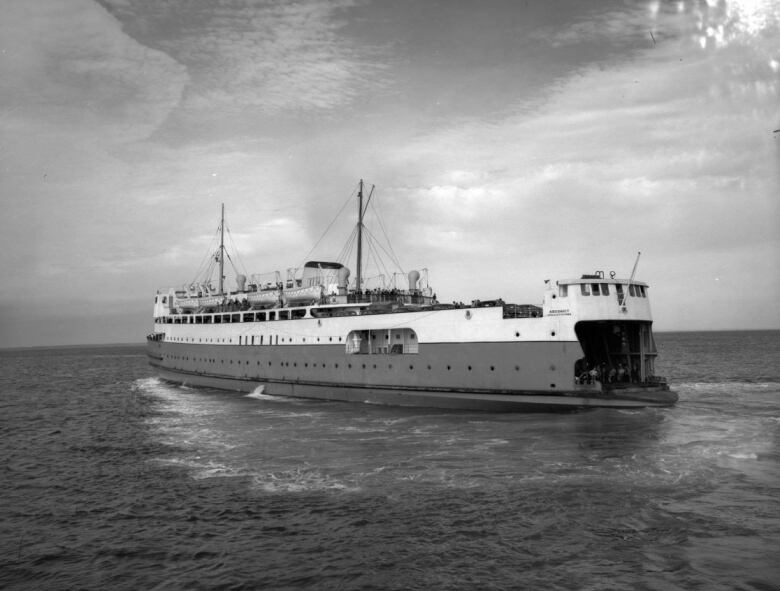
(301, 480)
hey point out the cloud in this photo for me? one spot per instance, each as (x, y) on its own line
(668, 151)
(75, 90)
(287, 57)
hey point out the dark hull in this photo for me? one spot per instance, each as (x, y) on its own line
(496, 377)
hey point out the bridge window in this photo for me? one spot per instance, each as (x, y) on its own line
(585, 289)
(563, 291)
(595, 288)
(605, 289)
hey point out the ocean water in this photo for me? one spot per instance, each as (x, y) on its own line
(111, 478)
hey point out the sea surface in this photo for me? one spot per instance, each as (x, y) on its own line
(113, 479)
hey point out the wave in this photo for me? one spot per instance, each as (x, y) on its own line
(735, 386)
(301, 480)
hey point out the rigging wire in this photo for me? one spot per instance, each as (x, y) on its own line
(349, 199)
(204, 269)
(346, 251)
(378, 261)
(392, 254)
(237, 252)
(373, 239)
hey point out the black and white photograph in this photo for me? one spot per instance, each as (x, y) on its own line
(390, 295)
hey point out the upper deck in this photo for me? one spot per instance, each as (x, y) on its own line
(594, 297)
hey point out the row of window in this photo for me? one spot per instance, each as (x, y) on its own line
(313, 365)
(595, 289)
(248, 340)
(287, 314)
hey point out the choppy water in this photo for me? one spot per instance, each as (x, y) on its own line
(113, 479)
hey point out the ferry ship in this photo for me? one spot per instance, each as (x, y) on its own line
(318, 334)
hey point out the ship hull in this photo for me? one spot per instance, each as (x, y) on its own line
(493, 377)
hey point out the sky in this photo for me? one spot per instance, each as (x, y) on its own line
(509, 142)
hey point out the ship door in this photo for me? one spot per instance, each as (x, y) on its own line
(620, 352)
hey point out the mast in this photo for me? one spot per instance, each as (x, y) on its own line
(222, 251)
(358, 278)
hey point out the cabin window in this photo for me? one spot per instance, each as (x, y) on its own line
(284, 314)
(260, 317)
(595, 288)
(631, 290)
(605, 289)
(563, 291)
(585, 289)
(299, 313)
(642, 291)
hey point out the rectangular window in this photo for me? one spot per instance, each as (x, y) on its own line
(631, 290)
(595, 288)
(585, 289)
(563, 291)
(604, 289)
(642, 291)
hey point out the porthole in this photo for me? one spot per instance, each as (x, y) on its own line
(517, 334)
(336, 365)
(349, 365)
(552, 385)
(553, 333)
(429, 367)
(305, 365)
(364, 366)
(517, 368)
(448, 368)
(492, 368)
(411, 367)
(469, 368)
(375, 366)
